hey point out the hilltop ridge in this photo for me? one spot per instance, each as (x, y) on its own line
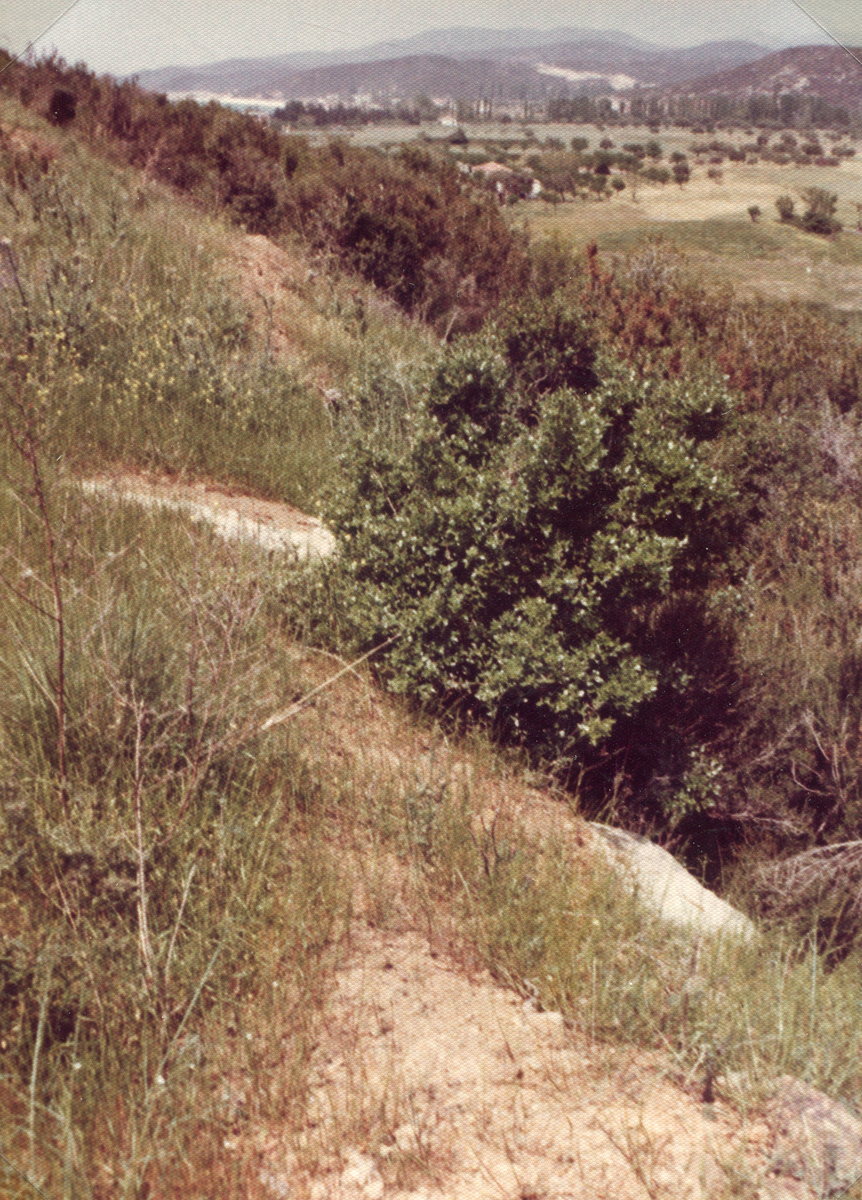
(456, 61)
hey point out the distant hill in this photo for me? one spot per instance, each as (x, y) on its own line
(464, 63)
(464, 42)
(413, 75)
(825, 71)
(459, 42)
(650, 66)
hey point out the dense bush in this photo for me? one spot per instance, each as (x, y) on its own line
(550, 509)
(410, 225)
(819, 216)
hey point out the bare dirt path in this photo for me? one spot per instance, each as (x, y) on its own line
(232, 513)
(435, 1082)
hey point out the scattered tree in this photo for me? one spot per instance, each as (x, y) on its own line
(655, 174)
(819, 216)
(785, 207)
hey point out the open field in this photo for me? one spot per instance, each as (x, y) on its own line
(706, 218)
(709, 220)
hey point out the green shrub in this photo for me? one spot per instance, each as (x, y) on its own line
(657, 175)
(521, 548)
(785, 207)
(820, 216)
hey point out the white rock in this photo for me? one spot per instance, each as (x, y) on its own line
(665, 888)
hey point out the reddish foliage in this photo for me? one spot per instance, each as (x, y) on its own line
(774, 355)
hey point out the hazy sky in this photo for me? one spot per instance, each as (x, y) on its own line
(124, 36)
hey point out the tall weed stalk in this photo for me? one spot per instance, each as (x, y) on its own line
(183, 883)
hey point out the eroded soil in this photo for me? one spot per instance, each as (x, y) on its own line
(436, 1081)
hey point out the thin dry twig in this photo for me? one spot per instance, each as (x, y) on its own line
(298, 705)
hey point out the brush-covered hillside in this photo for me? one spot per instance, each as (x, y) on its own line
(298, 895)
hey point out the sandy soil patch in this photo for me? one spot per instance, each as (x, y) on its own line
(435, 1081)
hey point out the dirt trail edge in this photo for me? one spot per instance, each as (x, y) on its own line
(235, 516)
(435, 1083)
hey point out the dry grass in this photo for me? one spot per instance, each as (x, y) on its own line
(709, 220)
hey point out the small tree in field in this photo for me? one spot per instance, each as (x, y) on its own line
(785, 206)
(754, 211)
(820, 214)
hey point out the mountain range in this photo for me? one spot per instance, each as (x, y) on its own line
(506, 66)
(462, 61)
(831, 72)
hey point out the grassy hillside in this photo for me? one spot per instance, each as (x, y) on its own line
(181, 878)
